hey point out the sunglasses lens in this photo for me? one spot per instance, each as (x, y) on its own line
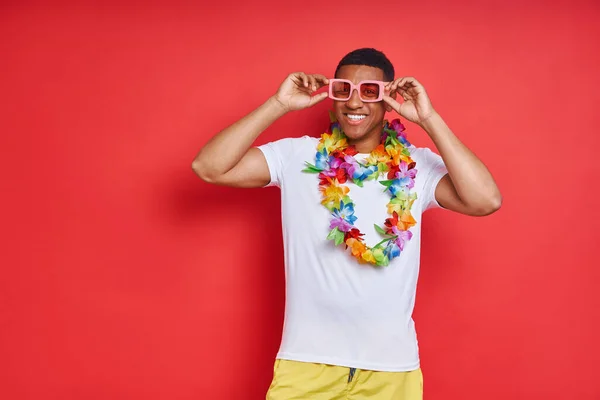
(369, 91)
(341, 90)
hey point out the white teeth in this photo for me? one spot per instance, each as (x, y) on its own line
(356, 117)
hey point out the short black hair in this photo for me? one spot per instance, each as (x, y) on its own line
(371, 58)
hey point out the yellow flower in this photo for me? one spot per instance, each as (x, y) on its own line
(378, 156)
(332, 141)
(368, 256)
(333, 193)
(402, 201)
(397, 155)
(395, 205)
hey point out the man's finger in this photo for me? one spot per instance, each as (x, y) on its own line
(409, 82)
(397, 83)
(320, 81)
(321, 78)
(311, 82)
(315, 83)
(317, 99)
(402, 81)
(393, 87)
(303, 78)
(395, 105)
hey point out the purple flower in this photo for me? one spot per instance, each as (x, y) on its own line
(403, 237)
(355, 170)
(341, 224)
(332, 173)
(400, 130)
(406, 176)
(334, 162)
(343, 217)
(397, 126)
(324, 161)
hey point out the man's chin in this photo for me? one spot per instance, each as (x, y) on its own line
(353, 132)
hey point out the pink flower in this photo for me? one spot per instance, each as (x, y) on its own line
(398, 127)
(403, 237)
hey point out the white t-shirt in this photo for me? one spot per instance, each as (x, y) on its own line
(338, 311)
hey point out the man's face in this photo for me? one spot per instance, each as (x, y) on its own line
(373, 112)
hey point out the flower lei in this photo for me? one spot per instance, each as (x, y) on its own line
(335, 164)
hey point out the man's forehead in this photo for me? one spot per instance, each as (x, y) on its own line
(357, 73)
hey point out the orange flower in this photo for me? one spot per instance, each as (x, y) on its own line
(356, 247)
(377, 156)
(402, 221)
(397, 155)
(406, 221)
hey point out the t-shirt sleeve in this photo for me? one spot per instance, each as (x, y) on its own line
(432, 165)
(277, 153)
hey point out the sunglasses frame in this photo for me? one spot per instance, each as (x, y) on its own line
(356, 87)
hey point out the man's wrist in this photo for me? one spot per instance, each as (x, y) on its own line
(431, 122)
(276, 106)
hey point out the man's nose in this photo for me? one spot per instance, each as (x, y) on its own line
(354, 101)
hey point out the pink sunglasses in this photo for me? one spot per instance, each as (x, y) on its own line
(368, 91)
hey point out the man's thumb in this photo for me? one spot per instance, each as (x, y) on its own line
(318, 98)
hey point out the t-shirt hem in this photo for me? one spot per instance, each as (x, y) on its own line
(270, 158)
(347, 363)
(435, 182)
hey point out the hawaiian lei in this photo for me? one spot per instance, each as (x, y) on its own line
(335, 164)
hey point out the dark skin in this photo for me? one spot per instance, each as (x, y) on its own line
(366, 136)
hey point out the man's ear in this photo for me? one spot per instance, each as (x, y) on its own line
(389, 108)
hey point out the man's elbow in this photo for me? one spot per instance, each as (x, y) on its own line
(493, 204)
(202, 172)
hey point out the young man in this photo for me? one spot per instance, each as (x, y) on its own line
(350, 286)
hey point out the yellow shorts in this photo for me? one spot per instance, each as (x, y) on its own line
(293, 380)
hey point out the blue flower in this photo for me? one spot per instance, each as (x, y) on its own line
(398, 185)
(322, 160)
(345, 212)
(361, 173)
(392, 250)
(404, 141)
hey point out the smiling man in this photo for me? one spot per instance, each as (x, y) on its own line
(352, 204)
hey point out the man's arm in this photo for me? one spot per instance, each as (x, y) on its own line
(228, 158)
(469, 187)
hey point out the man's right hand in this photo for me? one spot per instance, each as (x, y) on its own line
(295, 93)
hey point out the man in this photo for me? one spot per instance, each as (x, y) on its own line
(350, 285)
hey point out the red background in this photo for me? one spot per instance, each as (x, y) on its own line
(123, 276)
